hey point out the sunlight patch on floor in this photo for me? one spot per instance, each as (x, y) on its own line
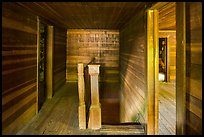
(161, 77)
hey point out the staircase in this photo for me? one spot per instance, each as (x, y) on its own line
(122, 129)
(89, 117)
(119, 129)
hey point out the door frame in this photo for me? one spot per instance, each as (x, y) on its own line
(168, 52)
(49, 61)
(167, 76)
(152, 83)
(180, 68)
(152, 71)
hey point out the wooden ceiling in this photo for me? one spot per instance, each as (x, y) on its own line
(87, 15)
(167, 16)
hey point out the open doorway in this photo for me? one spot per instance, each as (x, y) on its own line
(45, 40)
(161, 72)
(41, 66)
(163, 59)
(167, 72)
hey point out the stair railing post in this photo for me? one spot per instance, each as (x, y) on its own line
(82, 107)
(95, 108)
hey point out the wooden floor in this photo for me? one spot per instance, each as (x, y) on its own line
(59, 116)
(167, 108)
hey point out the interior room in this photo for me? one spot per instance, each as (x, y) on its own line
(101, 68)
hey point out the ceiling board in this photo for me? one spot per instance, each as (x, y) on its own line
(86, 15)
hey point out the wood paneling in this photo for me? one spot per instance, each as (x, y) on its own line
(84, 45)
(194, 68)
(167, 16)
(59, 53)
(19, 67)
(132, 69)
(92, 15)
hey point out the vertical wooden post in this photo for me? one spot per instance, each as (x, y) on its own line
(95, 109)
(180, 68)
(81, 108)
(152, 72)
(38, 50)
(49, 62)
(168, 60)
(156, 66)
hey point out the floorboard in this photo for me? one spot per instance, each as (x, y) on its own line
(59, 115)
(167, 109)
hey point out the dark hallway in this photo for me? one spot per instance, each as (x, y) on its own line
(96, 70)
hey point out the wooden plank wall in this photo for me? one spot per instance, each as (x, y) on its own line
(19, 67)
(59, 67)
(194, 68)
(133, 69)
(171, 42)
(84, 45)
(167, 16)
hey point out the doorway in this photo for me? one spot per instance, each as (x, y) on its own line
(41, 66)
(163, 59)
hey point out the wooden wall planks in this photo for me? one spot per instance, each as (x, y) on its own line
(19, 68)
(132, 70)
(84, 45)
(194, 68)
(167, 16)
(19, 65)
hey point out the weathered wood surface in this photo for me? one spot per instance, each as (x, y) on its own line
(59, 116)
(95, 108)
(167, 108)
(81, 95)
(181, 68)
(49, 45)
(19, 67)
(84, 45)
(56, 117)
(194, 68)
(95, 15)
(167, 16)
(132, 70)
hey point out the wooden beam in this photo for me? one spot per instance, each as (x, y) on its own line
(152, 72)
(81, 92)
(49, 61)
(156, 66)
(38, 53)
(180, 68)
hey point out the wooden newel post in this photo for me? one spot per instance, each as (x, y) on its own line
(81, 108)
(95, 108)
